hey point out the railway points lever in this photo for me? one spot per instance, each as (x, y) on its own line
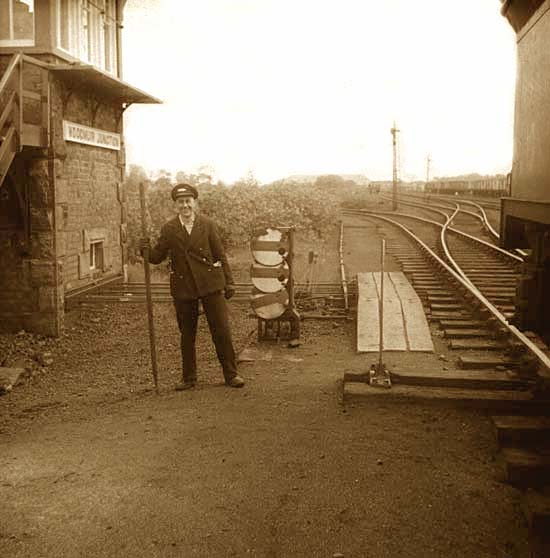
(379, 376)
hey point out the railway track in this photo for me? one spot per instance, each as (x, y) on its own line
(314, 299)
(468, 286)
(467, 283)
(470, 212)
(486, 203)
(487, 212)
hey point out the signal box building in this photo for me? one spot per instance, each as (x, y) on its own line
(62, 204)
(525, 212)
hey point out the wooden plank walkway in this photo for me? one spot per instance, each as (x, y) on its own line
(405, 324)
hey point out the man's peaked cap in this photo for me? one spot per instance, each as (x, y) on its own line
(182, 190)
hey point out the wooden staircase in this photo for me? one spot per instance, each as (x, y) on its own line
(15, 133)
(11, 117)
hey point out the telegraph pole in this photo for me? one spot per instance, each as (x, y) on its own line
(428, 161)
(394, 132)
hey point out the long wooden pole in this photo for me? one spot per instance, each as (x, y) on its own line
(148, 288)
(342, 268)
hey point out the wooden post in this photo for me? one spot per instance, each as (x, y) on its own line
(148, 288)
(290, 262)
(394, 132)
(291, 310)
(342, 268)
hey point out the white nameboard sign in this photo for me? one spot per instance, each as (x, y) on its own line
(90, 136)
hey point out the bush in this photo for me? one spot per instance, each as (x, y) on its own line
(243, 208)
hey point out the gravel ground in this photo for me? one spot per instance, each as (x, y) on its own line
(95, 464)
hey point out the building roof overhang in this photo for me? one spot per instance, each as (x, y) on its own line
(518, 12)
(80, 76)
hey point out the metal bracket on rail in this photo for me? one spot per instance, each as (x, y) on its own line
(379, 376)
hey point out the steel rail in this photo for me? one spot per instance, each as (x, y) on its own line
(95, 285)
(483, 217)
(457, 231)
(342, 268)
(141, 299)
(413, 204)
(541, 357)
(462, 233)
(450, 205)
(485, 220)
(446, 249)
(166, 286)
(488, 203)
(135, 292)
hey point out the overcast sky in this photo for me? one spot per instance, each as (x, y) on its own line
(282, 87)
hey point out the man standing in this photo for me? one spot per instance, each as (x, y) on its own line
(199, 270)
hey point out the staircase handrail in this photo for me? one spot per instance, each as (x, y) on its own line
(5, 114)
(15, 60)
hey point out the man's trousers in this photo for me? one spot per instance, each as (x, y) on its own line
(215, 309)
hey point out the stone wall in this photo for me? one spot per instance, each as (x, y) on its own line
(88, 190)
(30, 296)
(71, 195)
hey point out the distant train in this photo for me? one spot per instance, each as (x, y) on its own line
(491, 186)
(525, 212)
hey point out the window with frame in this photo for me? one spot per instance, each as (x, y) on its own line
(96, 255)
(16, 22)
(86, 29)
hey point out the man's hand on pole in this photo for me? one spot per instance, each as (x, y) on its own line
(144, 241)
(144, 244)
(229, 291)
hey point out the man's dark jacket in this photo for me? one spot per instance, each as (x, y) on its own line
(198, 263)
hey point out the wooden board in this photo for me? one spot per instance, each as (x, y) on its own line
(484, 361)
(394, 335)
(477, 344)
(416, 326)
(405, 326)
(358, 392)
(466, 379)
(368, 323)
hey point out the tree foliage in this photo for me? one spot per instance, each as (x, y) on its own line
(242, 208)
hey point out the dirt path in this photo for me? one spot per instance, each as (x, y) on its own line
(94, 464)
